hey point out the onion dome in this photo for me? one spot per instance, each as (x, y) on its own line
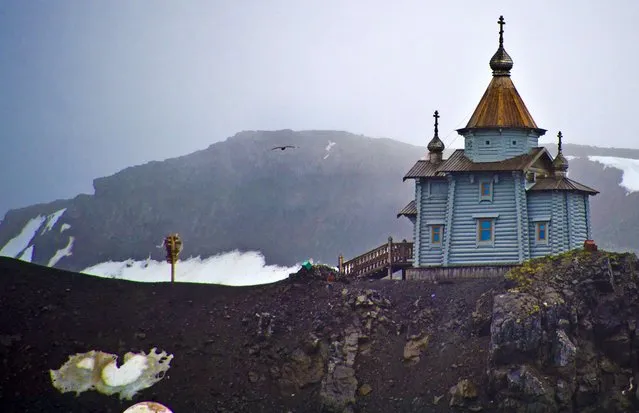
(501, 62)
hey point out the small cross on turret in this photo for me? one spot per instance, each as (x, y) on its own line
(501, 23)
(559, 135)
(436, 116)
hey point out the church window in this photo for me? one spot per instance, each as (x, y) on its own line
(485, 231)
(541, 232)
(438, 189)
(485, 191)
(487, 143)
(436, 234)
(514, 143)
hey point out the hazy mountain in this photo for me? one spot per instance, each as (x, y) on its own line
(337, 192)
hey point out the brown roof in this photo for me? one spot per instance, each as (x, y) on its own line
(501, 107)
(410, 209)
(458, 162)
(422, 169)
(560, 183)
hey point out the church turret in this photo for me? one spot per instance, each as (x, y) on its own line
(560, 163)
(501, 126)
(435, 146)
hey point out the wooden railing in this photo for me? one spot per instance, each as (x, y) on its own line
(383, 259)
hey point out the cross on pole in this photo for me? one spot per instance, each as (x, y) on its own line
(436, 116)
(559, 135)
(501, 23)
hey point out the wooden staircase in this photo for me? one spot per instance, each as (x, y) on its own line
(379, 262)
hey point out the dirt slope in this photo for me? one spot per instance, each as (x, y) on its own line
(224, 361)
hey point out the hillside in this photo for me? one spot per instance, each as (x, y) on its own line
(336, 193)
(318, 199)
(558, 336)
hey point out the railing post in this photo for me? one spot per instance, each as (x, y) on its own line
(390, 257)
(340, 264)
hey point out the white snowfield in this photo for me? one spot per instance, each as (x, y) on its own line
(233, 268)
(630, 168)
(20, 242)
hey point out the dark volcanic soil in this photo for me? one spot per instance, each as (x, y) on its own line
(46, 315)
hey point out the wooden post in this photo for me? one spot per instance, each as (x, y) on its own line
(173, 245)
(390, 257)
(340, 264)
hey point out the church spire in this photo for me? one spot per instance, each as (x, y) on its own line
(501, 62)
(435, 146)
(501, 106)
(560, 163)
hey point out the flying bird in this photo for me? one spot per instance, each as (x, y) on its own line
(283, 147)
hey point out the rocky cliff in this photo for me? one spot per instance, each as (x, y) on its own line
(564, 338)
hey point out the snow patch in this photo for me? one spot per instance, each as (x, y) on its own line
(128, 373)
(233, 268)
(328, 148)
(59, 254)
(27, 255)
(629, 167)
(23, 239)
(52, 220)
(571, 157)
(64, 227)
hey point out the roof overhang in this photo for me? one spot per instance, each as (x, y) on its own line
(500, 129)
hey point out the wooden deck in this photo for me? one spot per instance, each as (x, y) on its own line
(380, 262)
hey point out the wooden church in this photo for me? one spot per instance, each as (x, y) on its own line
(502, 199)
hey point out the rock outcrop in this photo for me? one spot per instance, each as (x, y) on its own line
(563, 339)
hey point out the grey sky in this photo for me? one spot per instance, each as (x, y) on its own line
(88, 88)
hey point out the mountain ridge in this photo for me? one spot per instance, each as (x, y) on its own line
(317, 200)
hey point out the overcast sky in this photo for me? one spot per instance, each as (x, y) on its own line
(90, 87)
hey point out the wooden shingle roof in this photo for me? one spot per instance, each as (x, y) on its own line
(458, 162)
(560, 183)
(421, 169)
(501, 106)
(408, 210)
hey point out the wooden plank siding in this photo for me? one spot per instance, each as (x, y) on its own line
(540, 207)
(463, 245)
(432, 210)
(457, 272)
(558, 229)
(577, 211)
(522, 215)
(588, 225)
(449, 218)
(417, 227)
(500, 146)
